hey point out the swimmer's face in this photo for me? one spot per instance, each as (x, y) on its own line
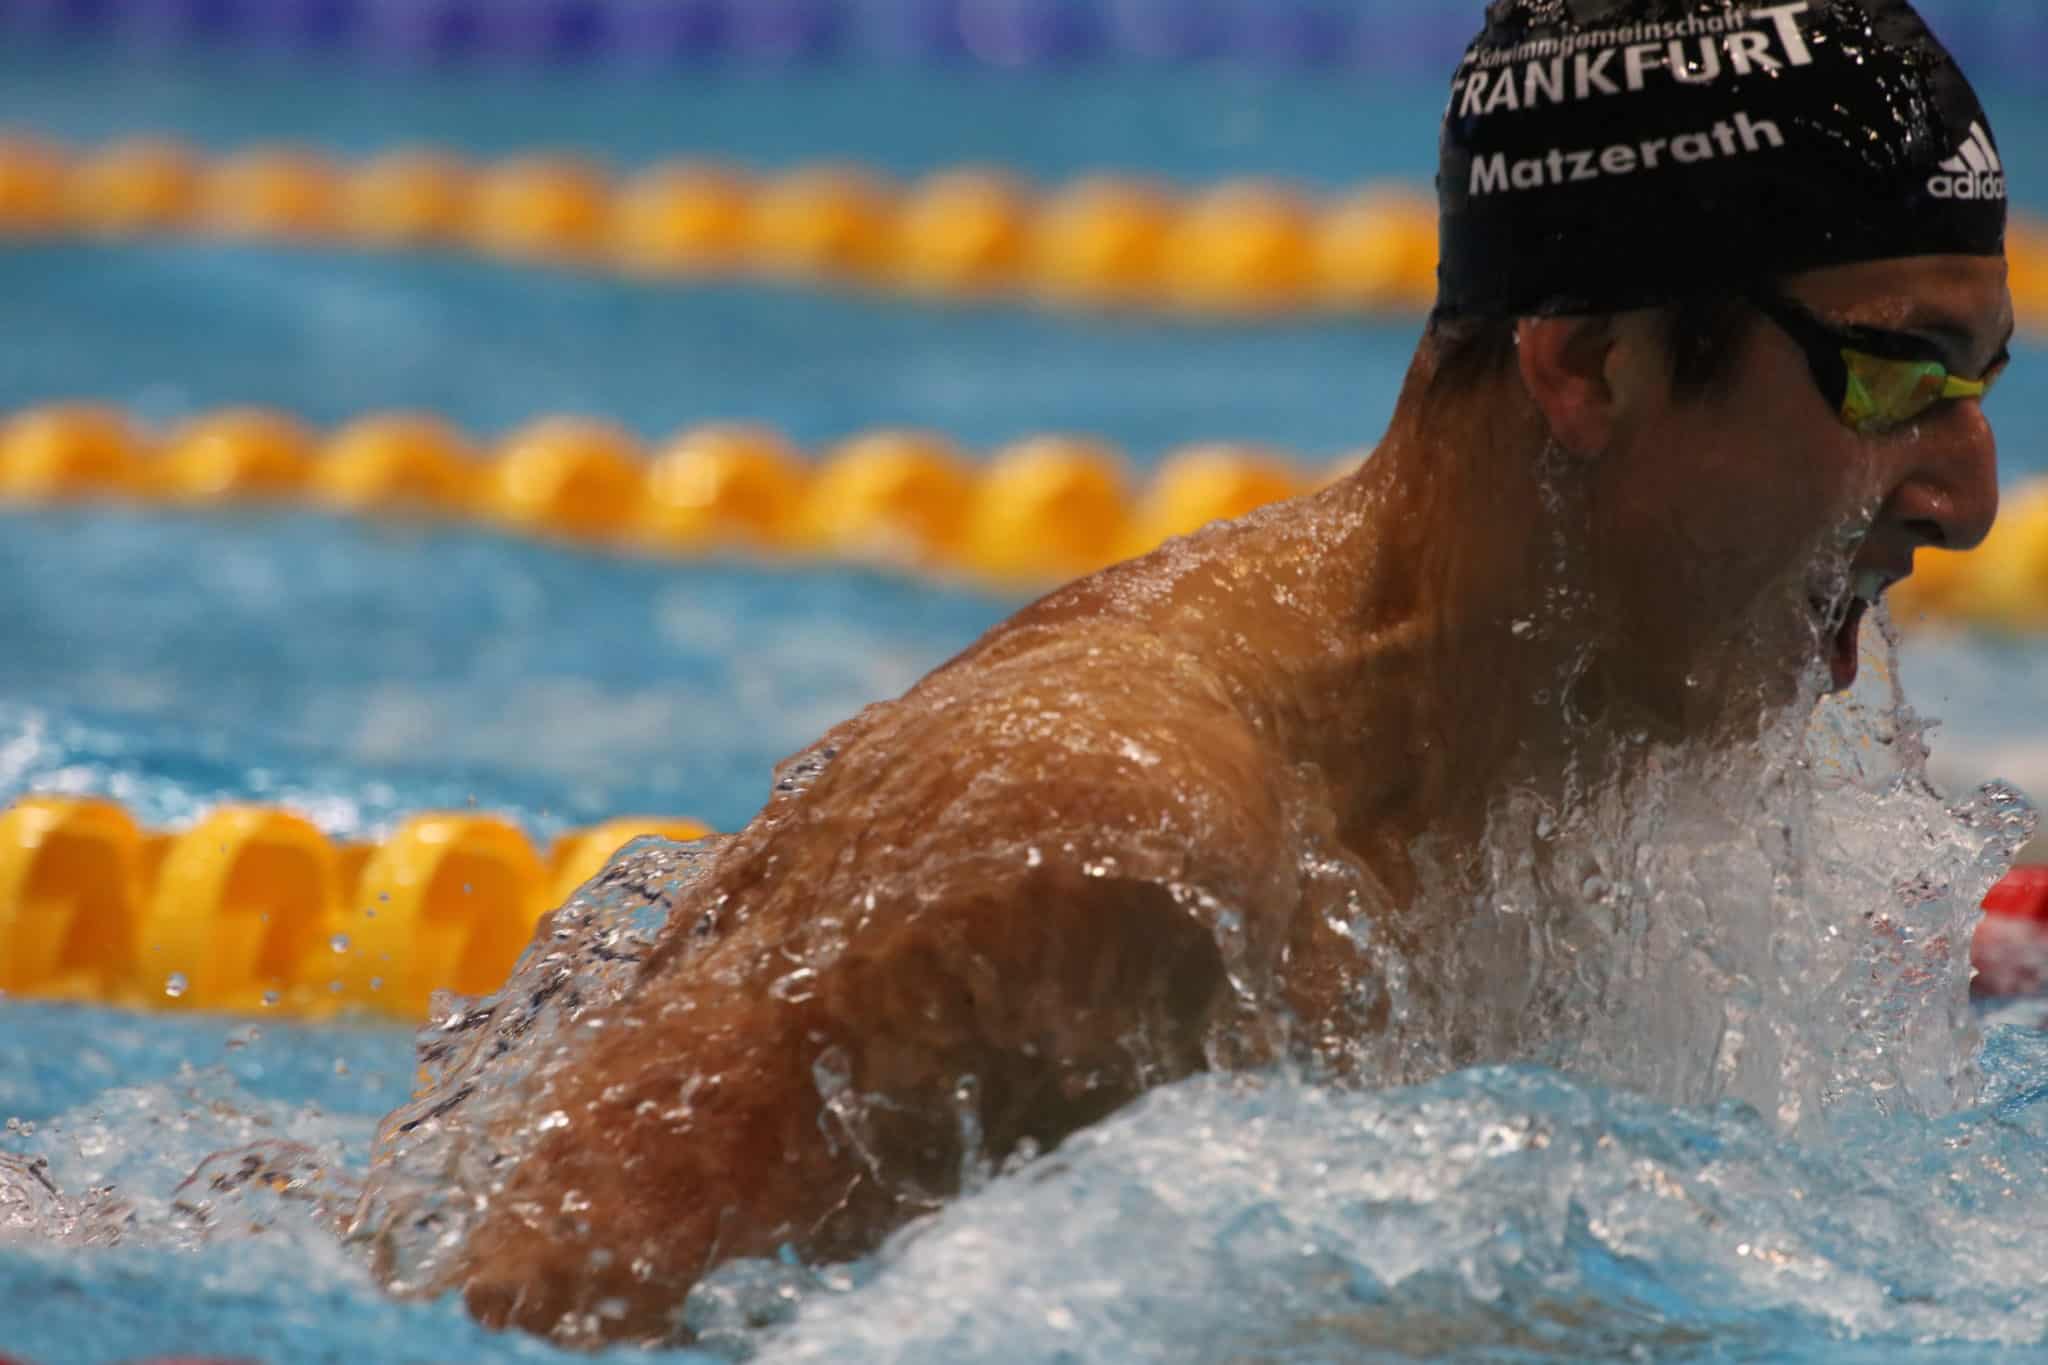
(1741, 533)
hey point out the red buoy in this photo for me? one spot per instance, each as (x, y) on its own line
(2023, 892)
(2010, 951)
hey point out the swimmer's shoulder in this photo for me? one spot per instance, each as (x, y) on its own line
(1098, 743)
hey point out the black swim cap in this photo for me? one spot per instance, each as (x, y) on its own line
(1607, 154)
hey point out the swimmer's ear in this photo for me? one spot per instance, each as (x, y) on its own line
(1565, 365)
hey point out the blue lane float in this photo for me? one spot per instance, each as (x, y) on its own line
(1011, 34)
(1385, 38)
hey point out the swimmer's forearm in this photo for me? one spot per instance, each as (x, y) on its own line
(701, 1148)
(721, 1119)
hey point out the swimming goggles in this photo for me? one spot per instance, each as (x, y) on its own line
(1875, 379)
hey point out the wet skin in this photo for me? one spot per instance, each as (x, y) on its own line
(1103, 847)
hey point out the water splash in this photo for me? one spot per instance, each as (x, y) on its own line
(442, 1157)
(1786, 926)
(1782, 932)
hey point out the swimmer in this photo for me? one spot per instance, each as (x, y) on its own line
(1722, 289)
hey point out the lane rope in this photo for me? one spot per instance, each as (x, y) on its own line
(253, 909)
(639, 37)
(1241, 248)
(1039, 511)
(1035, 513)
(1236, 249)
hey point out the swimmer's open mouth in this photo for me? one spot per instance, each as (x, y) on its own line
(1842, 622)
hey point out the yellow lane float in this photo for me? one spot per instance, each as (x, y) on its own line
(69, 450)
(241, 912)
(682, 218)
(1047, 508)
(963, 232)
(567, 476)
(1236, 248)
(32, 175)
(724, 485)
(542, 208)
(70, 886)
(1207, 483)
(895, 496)
(235, 454)
(1034, 513)
(286, 193)
(398, 462)
(136, 186)
(576, 858)
(408, 197)
(254, 909)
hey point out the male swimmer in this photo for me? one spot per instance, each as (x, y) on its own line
(1722, 287)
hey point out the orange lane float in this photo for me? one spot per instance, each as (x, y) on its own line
(408, 197)
(540, 208)
(136, 186)
(233, 455)
(1101, 242)
(1244, 247)
(969, 232)
(725, 485)
(254, 909)
(566, 476)
(1237, 248)
(285, 193)
(682, 218)
(963, 232)
(32, 176)
(1203, 484)
(1032, 514)
(69, 450)
(1047, 507)
(890, 495)
(398, 462)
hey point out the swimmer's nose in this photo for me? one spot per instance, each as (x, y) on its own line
(1948, 495)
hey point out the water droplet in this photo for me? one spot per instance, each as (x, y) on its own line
(1032, 857)
(1522, 629)
(340, 1067)
(796, 986)
(339, 943)
(376, 983)
(270, 1000)
(174, 985)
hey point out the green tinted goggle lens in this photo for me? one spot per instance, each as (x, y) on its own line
(1875, 379)
(1881, 393)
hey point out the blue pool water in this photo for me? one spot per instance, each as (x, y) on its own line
(168, 660)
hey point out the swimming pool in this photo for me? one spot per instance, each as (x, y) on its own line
(165, 658)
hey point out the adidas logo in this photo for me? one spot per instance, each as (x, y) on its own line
(1975, 172)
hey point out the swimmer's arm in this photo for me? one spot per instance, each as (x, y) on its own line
(732, 1110)
(745, 1123)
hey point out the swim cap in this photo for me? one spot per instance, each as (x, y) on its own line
(1599, 155)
